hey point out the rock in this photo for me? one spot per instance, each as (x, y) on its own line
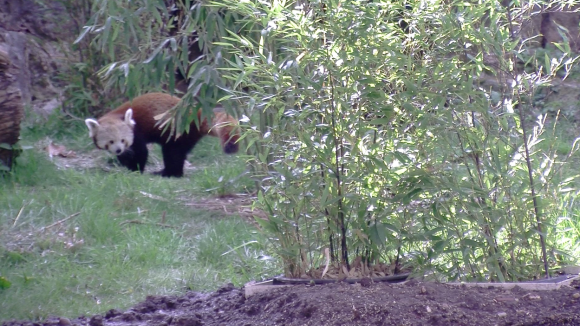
(506, 298)
(96, 320)
(366, 282)
(37, 39)
(531, 296)
(63, 321)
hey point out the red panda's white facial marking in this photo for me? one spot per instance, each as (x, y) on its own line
(112, 134)
(225, 127)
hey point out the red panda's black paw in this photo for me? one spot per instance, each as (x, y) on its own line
(231, 148)
(168, 174)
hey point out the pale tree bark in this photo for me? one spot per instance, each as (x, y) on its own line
(11, 110)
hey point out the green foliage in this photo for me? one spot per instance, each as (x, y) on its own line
(84, 93)
(368, 136)
(380, 147)
(4, 283)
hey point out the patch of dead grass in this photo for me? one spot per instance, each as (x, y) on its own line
(233, 204)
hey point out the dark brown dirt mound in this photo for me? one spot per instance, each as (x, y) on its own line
(412, 303)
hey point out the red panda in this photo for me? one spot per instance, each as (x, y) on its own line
(128, 129)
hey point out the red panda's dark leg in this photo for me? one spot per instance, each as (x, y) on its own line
(174, 155)
(173, 160)
(230, 146)
(135, 157)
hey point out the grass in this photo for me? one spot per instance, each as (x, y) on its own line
(77, 241)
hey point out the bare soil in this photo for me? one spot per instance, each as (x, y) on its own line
(410, 303)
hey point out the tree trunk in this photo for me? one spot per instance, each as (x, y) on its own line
(11, 111)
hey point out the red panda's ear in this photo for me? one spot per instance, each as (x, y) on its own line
(129, 118)
(93, 126)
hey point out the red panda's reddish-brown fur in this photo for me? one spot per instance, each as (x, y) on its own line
(126, 133)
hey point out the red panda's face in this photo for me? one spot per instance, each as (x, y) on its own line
(115, 138)
(111, 133)
(226, 128)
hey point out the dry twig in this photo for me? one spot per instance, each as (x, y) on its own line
(148, 223)
(59, 222)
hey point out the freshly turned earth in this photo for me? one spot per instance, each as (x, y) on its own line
(411, 303)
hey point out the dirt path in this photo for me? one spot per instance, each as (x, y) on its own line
(412, 303)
